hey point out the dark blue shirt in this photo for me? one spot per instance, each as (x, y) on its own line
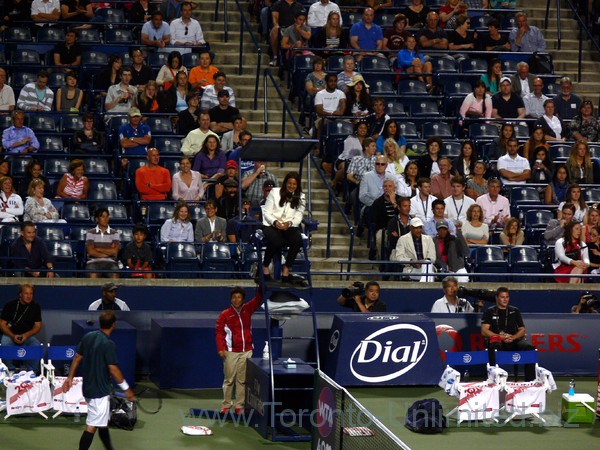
(98, 352)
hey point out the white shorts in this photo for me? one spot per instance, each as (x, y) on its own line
(98, 411)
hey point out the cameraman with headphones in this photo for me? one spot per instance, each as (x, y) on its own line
(588, 304)
(450, 302)
(362, 298)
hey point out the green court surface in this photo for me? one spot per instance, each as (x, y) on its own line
(161, 431)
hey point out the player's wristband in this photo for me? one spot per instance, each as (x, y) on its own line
(124, 386)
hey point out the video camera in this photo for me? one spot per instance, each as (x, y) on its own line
(591, 303)
(358, 289)
(487, 295)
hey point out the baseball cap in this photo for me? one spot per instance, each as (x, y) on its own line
(443, 223)
(110, 286)
(268, 184)
(135, 112)
(302, 12)
(416, 222)
(230, 183)
(223, 93)
(231, 164)
(503, 79)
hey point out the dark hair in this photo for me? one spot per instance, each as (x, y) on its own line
(569, 205)
(433, 139)
(493, 23)
(555, 171)
(546, 161)
(436, 202)
(42, 74)
(490, 69)
(237, 290)
(367, 142)
(245, 133)
(414, 163)
(568, 198)
(458, 179)
(422, 180)
(219, 74)
(107, 319)
(31, 164)
(125, 69)
(386, 133)
(174, 54)
(101, 210)
(178, 207)
(113, 58)
(134, 49)
(88, 116)
(204, 148)
(74, 164)
(363, 102)
(211, 202)
(329, 76)
(72, 31)
(140, 228)
(474, 157)
(372, 283)
(72, 74)
(292, 197)
(568, 236)
(157, 12)
(501, 290)
(27, 223)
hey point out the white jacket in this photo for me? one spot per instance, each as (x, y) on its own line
(272, 211)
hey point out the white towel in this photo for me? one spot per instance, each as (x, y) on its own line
(546, 377)
(496, 375)
(449, 381)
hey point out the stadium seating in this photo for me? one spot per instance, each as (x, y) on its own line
(216, 257)
(181, 257)
(523, 259)
(489, 259)
(102, 190)
(51, 144)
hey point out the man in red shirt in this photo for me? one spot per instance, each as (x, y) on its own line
(152, 181)
(234, 344)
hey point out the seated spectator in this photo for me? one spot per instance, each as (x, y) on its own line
(38, 208)
(109, 300)
(69, 97)
(432, 37)
(512, 234)
(385, 207)
(210, 228)
(593, 221)
(228, 202)
(394, 38)
(477, 104)
(495, 207)
(507, 104)
(397, 160)
(450, 12)
(168, 72)
(411, 60)
(138, 11)
(556, 227)
(361, 164)
(102, 246)
(109, 76)
(11, 204)
(556, 191)
(45, 12)
(464, 164)
(137, 255)
(566, 103)
(513, 168)
(29, 253)
(178, 228)
(494, 40)
(450, 250)
(172, 8)
(192, 143)
(329, 102)
(541, 165)
(579, 165)
(253, 181)
(7, 95)
(536, 139)
(210, 160)
(74, 184)
(477, 184)
(315, 81)
(152, 181)
(358, 100)
(155, 32)
(571, 255)
(141, 73)
(554, 129)
(88, 140)
(296, 35)
(378, 119)
(367, 303)
(526, 38)
(246, 166)
(450, 302)
(438, 207)
(186, 31)
(222, 115)
(474, 230)
(460, 38)
(210, 96)
(500, 145)
(203, 75)
(147, 99)
(585, 126)
(332, 35)
(33, 171)
(175, 99)
(441, 183)
(187, 183)
(120, 97)
(492, 77)
(421, 204)
(416, 13)
(398, 226)
(15, 11)
(231, 138)
(535, 100)
(391, 130)
(19, 139)
(134, 136)
(320, 11)
(458, 203)
(371, 185)
(5, 168)
(416, 246)
(187, 119)
(575, 198)
(36, 96)
(346, 75)
(428, 163)
(366, 35)
(283, 13)
(77, 11)
(522, 81)
(68, 53)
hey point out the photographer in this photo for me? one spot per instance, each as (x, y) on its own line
(362, 298)
(588, 304)
(450, 302)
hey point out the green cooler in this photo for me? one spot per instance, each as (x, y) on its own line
(572, 410)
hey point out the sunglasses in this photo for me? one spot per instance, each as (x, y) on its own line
(381, 164)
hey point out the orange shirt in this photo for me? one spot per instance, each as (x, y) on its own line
(197, 74)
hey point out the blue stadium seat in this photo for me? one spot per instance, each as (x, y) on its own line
(127, 61)
(473, 65)
(509, 66)
(5, 121)
(441, 129)
(118, 36)
(334, 63)
(51, 144)
(190, 60)
(591, 195)
(457, 88)
(424, 108)
(181, 257)
(216, 257)
(196, 212)
(75, 213)
(63, 254)
(89, 36)
(2, 57)
(445, 64)
(409, 130)
(158, 212)
(160, 125)
(521, 131)
(56, 167)
(450, 149)
(157, 59)
(172, 165)
(415, 148)
(8, 233)
(71, 124)
(168, 145)
(48, 34)
(374, 64)
(17, 34)
(523, 195)
(384, 20)
(125, 232)
(102, 190)
(594, 150)
(412, 88)
(560, 151)
(350, 19)
(536, 221)
(379, 85)
(50, 233)
(490, 259)
(482, 131)
(56, 80)
(93, 59)
(115, 123)
(339, 128)
(118, 214)
(551, 90)
(18, 166)
(111, 15)
(394, 108)
(480, 22)
(43, 122)
(20, 79)
(525, 259)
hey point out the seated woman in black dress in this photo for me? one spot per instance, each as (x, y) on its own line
(88, 140)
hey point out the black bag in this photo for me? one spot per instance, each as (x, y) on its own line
(540, 64)
(123, 413)
(426, 416)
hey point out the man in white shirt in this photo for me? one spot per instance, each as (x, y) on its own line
(534, 101)
(421, 204)
(44, 12)
(186, 30)
(120, 97)
(210, 97)
(416, 246)
(495, 207)
(513, 168)
(7, 95)
(450, 302)
(329, 101)
(192, 143)
(458, 203)
(319, 11)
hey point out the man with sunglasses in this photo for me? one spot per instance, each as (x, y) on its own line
(186, 30)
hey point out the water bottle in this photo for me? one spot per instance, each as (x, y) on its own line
(571, 387)
(77, 416)
(466, 376)
(266, 351)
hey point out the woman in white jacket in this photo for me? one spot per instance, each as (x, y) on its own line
(11, 204)
(571, 254)
(282, 215)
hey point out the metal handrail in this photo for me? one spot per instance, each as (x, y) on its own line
(286, 108)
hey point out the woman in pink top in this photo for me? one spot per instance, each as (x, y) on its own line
(73, 184)
(187, 183)
(477, 104)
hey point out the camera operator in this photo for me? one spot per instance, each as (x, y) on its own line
(588, 303)
(450, 302)
(362, 298)
(503, 329)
